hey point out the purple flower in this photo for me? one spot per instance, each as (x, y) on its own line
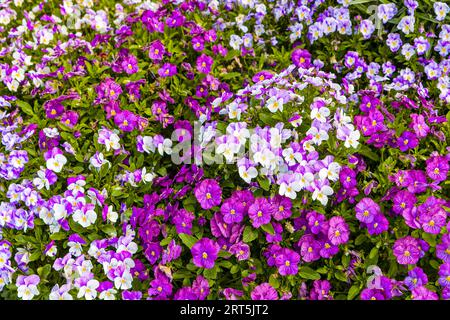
(200, 287)
(423, 293)
(406, 250)
(407, 140)
(301, 58)
(167, 70)
(338, 233)
(416, 277)
(437, 168)
(205, 252)
(208, 193)
(264, 291)
(260, 212)
(204, 63)
(444, 275)
(232, 211)
(126, 120)
(366, 210)
(287, 262)
(156, 50)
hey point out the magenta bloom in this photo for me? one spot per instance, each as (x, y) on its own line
(407, 140)
(126, 120)
(406, 250)
(205, 253)
(204, 63)
(423, 293)
(208, 194)
(287, 262)
(232, 210)
(264, 292)
(437, 168)
(260, 212)
(167, 70)
(301, 58)
(366, 210)
(338, 233)
(156, 50)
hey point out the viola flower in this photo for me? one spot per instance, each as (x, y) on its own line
(204, 63)
(416, 278)
(260, 212)
(367, 210)
(406, 250)
(205, 252)
(232, 211)
(167, 70)
(264, 291)
(444, 275)
(407, 140)
(437, 168)
(27, 286)
(287, 262)
(301, 58)
(208, 194)
(126, 120)
(338, 233)
(200, 287)
(423, 293)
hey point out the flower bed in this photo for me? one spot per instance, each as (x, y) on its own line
(240, 149)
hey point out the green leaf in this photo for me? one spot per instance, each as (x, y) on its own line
(58, 236)
(230, 75)
(25, 107)
(187, 239)
(273, 281)
(268, 228)
(340, 276)
(44, 271)
(211, 273)
(109, 229)
(250, 234)
(264, 183)
(35, 255)
(373, 253)
(353, 292)
(308, 273)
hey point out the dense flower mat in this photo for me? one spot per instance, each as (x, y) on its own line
(238, 149)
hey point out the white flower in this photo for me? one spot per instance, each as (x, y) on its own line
(89, 291)
(27, 292)
(320, 114)
(352, 139)
(317, 135)
(165, 147)
(147, 144)
(112, 142)
(274, 104)
(147, 176)
(51, 132)
(235, 42)
(331, 173)
(60, 211)
(124, 281)
(291, 157)
(108, 294)
(288, 190)
(85, 218)
(247, 174)
(41, 181)
(322, 194)
(233, 111)
(111, 215)
(56, 163)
